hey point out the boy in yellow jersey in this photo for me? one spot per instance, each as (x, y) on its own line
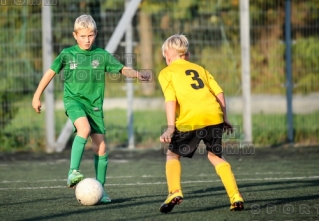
(195, 111)
(84, 67)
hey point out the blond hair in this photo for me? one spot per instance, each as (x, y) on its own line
(85, 21)
(178, 42)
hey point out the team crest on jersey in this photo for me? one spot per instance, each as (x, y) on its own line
(95, 63)
(73, 64)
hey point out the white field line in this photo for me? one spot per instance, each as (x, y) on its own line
(152, 176)
(162, 183)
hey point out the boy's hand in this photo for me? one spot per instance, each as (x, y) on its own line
(36, 104)
(145, 75)
(167, 136)
(228, 128)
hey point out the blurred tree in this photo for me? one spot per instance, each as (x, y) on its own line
(146, 49)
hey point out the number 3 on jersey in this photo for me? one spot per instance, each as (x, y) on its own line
(195, 77)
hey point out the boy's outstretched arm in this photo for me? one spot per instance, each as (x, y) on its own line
(170, 116)
(221, 100)
(47, 77)
(131, 73)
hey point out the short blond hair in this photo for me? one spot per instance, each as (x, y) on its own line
(85, 21)
(178, 42)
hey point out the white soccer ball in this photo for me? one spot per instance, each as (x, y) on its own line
(89, 192)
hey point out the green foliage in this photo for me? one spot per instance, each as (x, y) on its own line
(305, 53)
(223, 69)
(306, 65)
(19, 63)
(7, 108)
(113, 5)
(22, 140)
(17, 67)
(268, 70)
(308, 83)
(148, 125)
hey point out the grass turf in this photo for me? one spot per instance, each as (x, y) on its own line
(277, 184)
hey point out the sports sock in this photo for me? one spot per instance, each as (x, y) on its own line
(100, 164)
(226, 175)
(77, 152)
(173, 174)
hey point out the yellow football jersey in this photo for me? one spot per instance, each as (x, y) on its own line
(194, 90)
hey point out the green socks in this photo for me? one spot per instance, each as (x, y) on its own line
(77, 152)
(100, 163)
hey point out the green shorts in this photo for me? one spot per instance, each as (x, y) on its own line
(75, 110)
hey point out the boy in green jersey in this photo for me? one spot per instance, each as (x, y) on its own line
(83, 67)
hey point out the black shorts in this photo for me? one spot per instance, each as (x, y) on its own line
(186, 143)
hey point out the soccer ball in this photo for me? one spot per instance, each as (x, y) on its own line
(89, 191)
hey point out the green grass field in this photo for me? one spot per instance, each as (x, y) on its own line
(277, 184)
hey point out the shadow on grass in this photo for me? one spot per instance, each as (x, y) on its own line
(65, 215)
(283, 200)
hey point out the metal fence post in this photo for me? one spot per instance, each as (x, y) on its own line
(49, 91)
(245, 60)
(289, 83)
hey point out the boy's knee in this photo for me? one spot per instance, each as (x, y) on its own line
(84, 131)
(171, 156)
(100, 150)
(98, 144)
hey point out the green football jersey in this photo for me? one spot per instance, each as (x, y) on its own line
(83, 74)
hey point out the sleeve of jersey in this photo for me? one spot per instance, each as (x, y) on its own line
(112, 64)
(214, 86)
(164, 79)
(57, 64)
